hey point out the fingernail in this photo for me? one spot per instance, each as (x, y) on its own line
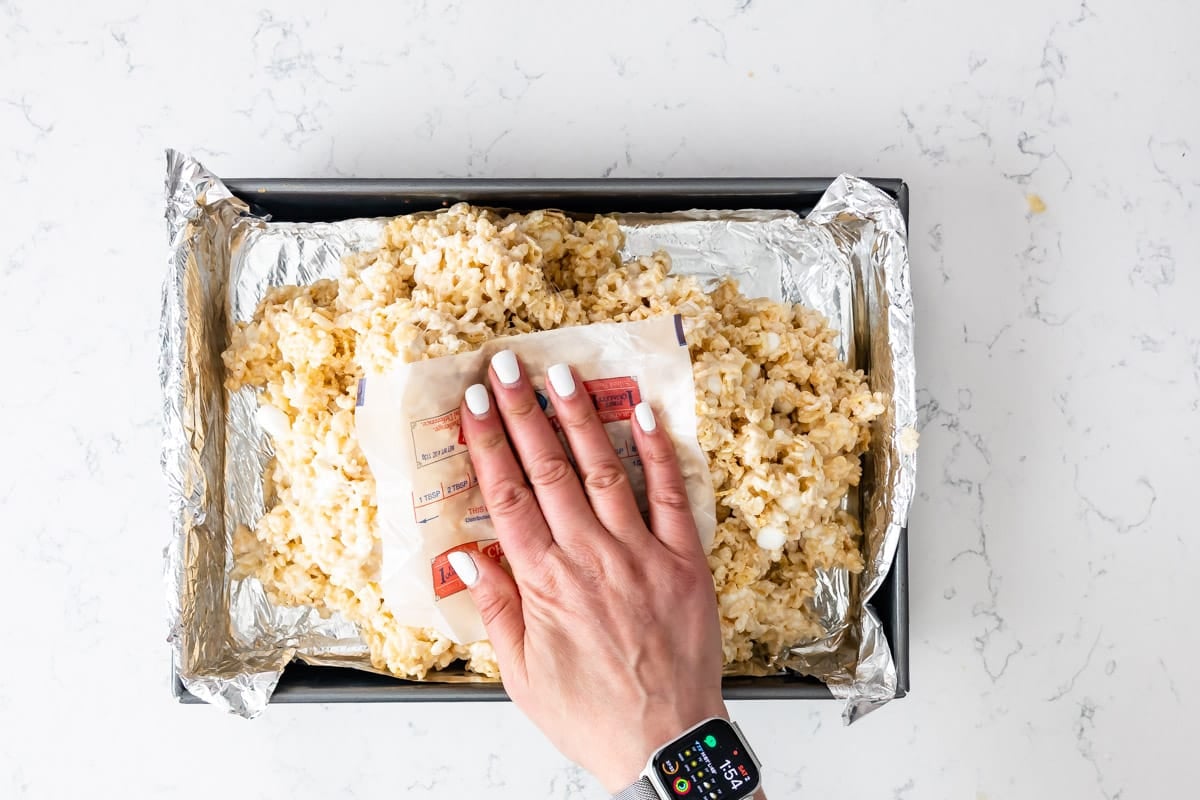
(645, 417)
(464, 567)
(505, 365)
(477, 399)
(562, 380)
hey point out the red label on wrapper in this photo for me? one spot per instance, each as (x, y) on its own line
(445, 580)
(614, 398)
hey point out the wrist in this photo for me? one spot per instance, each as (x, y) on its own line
(657, 727)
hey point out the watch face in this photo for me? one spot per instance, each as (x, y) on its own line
(708, 763)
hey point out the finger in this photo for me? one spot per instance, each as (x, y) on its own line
(499, 602)
(671, 517)
(541, 453)
(604, 477)
(523, 532)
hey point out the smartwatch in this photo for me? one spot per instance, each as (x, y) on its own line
(709, 762)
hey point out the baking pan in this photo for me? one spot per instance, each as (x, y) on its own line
(326, 200)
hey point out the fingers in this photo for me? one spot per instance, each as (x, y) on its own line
(519, 523)
(671, 517)
(550, 473)
(499, 602)
(604, 476)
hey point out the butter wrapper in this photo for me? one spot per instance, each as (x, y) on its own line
(430, 504)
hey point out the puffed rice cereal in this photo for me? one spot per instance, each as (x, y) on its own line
(782, 419)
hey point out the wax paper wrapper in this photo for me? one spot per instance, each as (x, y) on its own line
(429, 499)
(230, 643)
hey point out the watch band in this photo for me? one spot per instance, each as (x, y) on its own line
(641, 789)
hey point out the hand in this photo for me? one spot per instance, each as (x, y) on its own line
(606, 632)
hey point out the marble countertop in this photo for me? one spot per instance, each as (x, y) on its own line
(1051, 150)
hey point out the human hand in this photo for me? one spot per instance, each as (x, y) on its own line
(606, 632)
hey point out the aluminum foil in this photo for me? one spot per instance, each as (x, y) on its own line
(847, 259)
(871, 235)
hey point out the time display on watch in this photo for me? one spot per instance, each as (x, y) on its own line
(709, 762)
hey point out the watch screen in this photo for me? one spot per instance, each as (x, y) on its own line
(709, 763)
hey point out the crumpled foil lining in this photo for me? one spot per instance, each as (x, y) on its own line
(847, 259)
(869, 231)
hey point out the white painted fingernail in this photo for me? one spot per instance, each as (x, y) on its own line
(505, 365)
(477, 399)
(645, 417)
(464, 567)
(562, 380)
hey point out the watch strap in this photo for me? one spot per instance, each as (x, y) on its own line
(641, 789)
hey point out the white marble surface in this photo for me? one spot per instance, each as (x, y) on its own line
(1053, 541)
